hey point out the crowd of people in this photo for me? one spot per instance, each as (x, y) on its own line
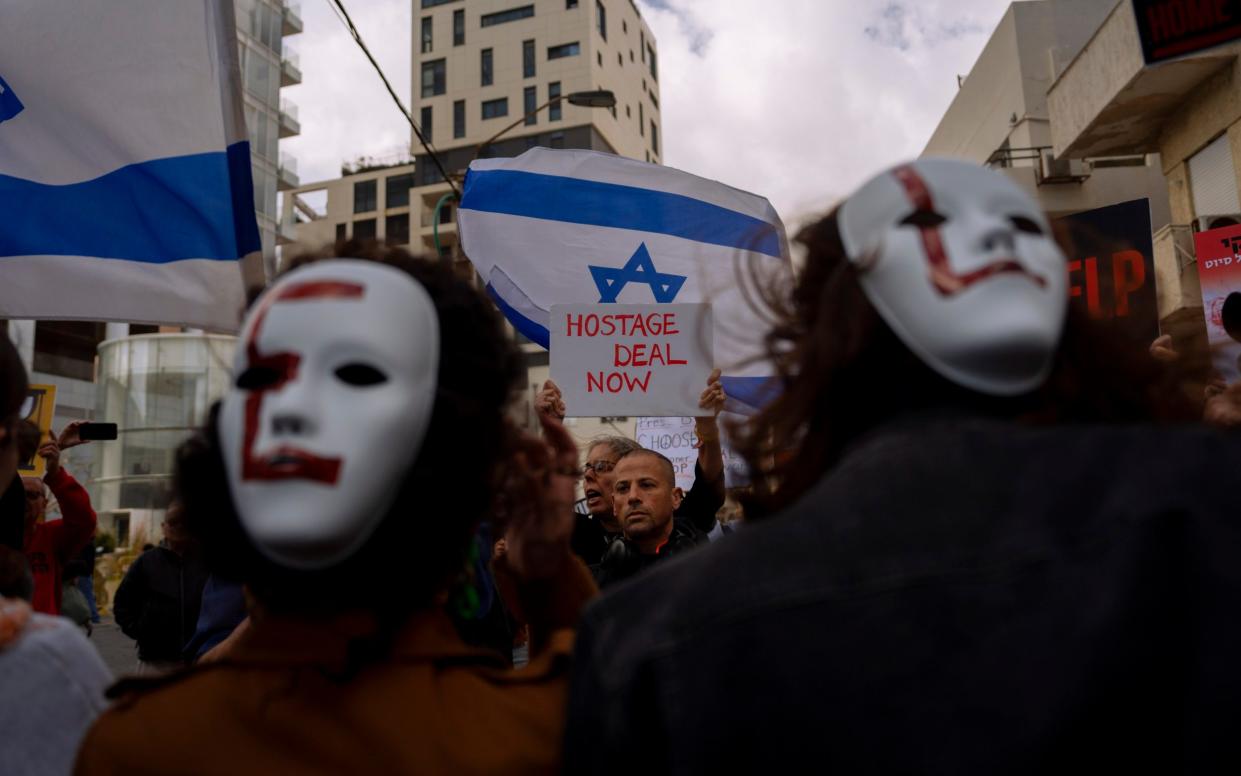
(981, 535)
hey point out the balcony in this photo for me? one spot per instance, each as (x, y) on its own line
(292, 13)
(286, 177)
(1109, 101)
(290, 69)
(289, 125)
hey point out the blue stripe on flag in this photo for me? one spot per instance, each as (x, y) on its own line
(184, 207)
(577, 201)
(529, 329)
(753, 391)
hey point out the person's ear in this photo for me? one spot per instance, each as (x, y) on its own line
(677, 496)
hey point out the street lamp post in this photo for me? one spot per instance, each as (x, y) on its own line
(598, 98)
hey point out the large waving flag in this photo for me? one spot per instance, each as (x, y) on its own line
(564, 227)
(125, 190)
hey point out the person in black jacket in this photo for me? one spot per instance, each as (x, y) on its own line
(157, 602)
(645, 497)
(596, 530)
(984, 546)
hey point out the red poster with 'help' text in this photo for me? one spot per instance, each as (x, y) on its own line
(1219, 271)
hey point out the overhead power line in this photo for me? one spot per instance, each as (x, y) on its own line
(339, 7)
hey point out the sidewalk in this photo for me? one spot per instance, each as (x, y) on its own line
(117, 650)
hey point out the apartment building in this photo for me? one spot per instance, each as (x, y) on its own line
(482, 68)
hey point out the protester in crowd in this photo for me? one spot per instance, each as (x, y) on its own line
(49, 545)
(645, 496)
(80, 572)
(976, 557)
(13, 501)
(221, 614)
(595, 531)
(158, 601)
(51, 678)
(337, 458)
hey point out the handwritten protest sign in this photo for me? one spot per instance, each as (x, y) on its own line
(1219, 271)
(676, 439)
(631, 359)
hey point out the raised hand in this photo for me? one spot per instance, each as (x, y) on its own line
(549, 401)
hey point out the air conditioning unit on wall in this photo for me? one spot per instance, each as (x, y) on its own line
(1053, 170)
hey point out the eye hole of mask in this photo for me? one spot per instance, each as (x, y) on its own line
(360, 375)
(1027, 225)
(257, 377)
(923, 219)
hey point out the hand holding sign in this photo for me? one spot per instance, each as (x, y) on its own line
(49, 451)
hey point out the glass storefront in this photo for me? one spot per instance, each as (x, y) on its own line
(157, 388)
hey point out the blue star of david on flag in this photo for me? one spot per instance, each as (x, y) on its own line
(10, 106)
(639, 269)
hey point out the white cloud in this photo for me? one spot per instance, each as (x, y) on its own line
(797, 100)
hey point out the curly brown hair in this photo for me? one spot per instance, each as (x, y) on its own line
(843, 372)
(422, 543)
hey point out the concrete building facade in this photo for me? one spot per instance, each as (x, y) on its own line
(1188, 111)
(1000, 114)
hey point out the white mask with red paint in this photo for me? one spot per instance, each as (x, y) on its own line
(961, 264)
(334, 384)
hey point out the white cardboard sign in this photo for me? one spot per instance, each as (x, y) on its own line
(631, 359)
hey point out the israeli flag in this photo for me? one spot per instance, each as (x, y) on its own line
(571, 227)
(125, 190)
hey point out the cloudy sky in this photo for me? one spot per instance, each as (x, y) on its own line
(797, 100)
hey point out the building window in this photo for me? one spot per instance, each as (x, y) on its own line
(642, 45)
(433, 3)
(599, 56)
(624, 26)
(494, 109)
(445, 214)
(620, 59)
(427, 40)
(511, 15)
(486, 67)
(650, 56)
(613, 111)
(433, 78)
(630, 55)
(553, 93)
(458, 119)
(628, 113)
(529, 103)
(396, 229)
(641, 120)
(654, 99)
(426, 122)
(564, 50)
(340, 232)
(396, 190)
(557, 140)
(654, 138)
(569, 4)
(603, 19)
(527, 59)
(364, 229)
(458, 28)
(363, 198)
(67, 348)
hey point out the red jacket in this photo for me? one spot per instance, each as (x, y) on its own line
(52, 544)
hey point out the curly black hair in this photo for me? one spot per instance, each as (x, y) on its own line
(422, 542)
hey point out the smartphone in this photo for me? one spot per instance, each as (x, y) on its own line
(97, 431)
